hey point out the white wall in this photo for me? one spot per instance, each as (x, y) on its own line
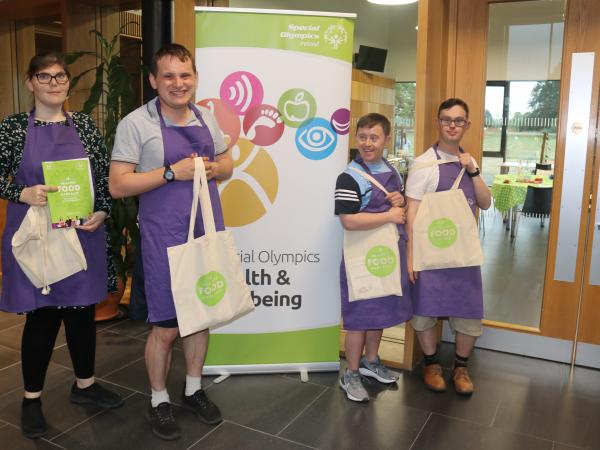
(525, 40)
(391, 27)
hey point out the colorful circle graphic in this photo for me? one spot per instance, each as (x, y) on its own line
(228, 121)
(380, 261)
(340, 121)
(263, 125)
(252, 189)
(241, 90)
(442, 232)
(211, 288)
(297, 106)
(316, 139)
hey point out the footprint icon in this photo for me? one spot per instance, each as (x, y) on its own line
(263, 125)
(267, 118)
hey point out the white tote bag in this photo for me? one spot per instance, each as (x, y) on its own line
(372, 259)
(207, 281)
(445, 231)
(46, 255)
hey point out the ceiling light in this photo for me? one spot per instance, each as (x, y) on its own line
(392, 2)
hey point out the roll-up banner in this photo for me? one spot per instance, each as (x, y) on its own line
(279, 85)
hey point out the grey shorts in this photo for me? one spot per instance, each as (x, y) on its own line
(470, 327)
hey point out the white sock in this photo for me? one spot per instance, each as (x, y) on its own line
(159, 397)
(192, 384)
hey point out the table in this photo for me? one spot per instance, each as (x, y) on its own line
(508, 193)
(506, 165)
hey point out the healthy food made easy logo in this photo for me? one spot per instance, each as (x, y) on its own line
(380, 261)
(211, 288)
(442, 233)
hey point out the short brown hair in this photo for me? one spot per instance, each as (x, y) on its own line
(173, 50)
(44, 60)
(372, 119)
(450, 102)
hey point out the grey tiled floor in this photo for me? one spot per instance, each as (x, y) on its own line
(520, 403)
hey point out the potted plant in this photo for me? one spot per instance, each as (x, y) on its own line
(112, 97)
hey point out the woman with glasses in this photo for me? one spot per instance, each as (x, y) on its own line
(49, 133)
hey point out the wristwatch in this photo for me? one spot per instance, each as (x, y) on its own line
(474, 174)
(168, 174)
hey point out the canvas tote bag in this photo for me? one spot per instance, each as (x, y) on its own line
(372, 258)
(207, 281)
(445, 231)
(46, 255)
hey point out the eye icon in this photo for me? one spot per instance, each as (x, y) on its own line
(316, 139)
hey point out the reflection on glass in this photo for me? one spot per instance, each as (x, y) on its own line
(521, 114)
(404, 110)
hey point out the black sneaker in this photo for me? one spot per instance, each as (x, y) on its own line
(201, 405)
(33, 424)
(95, 395)
(163, 422)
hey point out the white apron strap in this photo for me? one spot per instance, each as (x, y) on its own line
(369, 178)
(438, 162)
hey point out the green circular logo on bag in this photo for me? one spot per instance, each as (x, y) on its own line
(211, 288)
(380, 261)
(442, 233)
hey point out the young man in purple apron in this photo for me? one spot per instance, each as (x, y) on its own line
(153, 158)
(453, 293)
(362, 206)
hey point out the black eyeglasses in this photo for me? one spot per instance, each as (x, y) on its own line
(459, 121)
(46, 78)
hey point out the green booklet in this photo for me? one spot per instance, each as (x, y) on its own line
(73, 203)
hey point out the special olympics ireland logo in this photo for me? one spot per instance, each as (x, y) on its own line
(336, 35)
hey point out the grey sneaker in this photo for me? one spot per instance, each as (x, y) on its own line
(351, 383)
(377, 370)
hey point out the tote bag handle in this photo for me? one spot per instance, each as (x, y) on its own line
(368, 177)
(201, 194)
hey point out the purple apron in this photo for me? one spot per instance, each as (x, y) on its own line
(382, 312)
(164, 213)
(53, 142)
(450, 292)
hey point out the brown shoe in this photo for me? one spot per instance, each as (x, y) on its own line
(432, 376)
(462, 382)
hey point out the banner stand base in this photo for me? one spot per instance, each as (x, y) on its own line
(271, 368)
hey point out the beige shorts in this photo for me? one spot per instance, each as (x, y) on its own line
(470, 327)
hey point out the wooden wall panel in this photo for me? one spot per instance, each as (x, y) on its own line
(432, 68)
(370, 93)
(184, 24)
(25, 50)
(78, 19)
(470, 64)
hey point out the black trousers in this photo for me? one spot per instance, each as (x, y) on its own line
(39, 336)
